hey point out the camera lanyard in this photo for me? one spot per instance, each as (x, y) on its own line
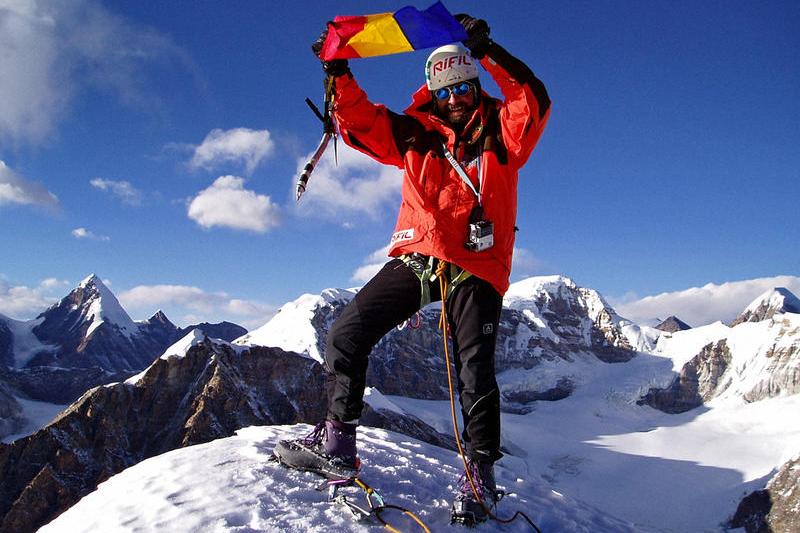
(463, 174)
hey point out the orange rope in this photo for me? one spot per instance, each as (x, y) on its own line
(440, 273)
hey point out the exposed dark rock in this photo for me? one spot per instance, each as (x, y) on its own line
(673, 324)
(407, 425)
(773, 509)
(700, 379)
(563, 389)
(11, 417)
(60, 385)
(6, 344)
(227, 331)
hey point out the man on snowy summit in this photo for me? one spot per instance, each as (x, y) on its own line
(461, 151)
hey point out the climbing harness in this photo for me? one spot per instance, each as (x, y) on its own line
(375, 503)
(440, 270)
(427, 269)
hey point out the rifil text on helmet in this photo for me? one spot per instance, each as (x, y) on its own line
(449, 62)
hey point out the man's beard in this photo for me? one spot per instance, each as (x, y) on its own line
(459, 115)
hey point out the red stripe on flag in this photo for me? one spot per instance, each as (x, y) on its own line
(340, 31)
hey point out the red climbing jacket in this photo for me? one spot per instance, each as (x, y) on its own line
(436, 203)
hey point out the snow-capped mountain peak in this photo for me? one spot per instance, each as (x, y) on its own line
(772, 302)
(294, 327)
(102, 306)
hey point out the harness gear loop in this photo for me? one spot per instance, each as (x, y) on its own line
(428, 268)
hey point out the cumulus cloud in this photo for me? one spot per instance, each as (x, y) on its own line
(699, 306)
(196, 305)
(239, 146)
(227, 203)
(23, 303)
(83, 233)
(372, 264)
(53, 51)
(123, 190)
(357, 186)
(14, 189)
(524, 263)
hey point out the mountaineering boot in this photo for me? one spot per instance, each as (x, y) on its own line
(467, 509)
(330, 450)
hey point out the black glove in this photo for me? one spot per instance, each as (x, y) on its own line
(335, 67)
(478, 40)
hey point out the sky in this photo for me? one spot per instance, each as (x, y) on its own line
(157, 145)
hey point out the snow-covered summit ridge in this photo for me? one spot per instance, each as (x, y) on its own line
(230, 484)
(543, 290)
(773, 302)
(544, 297)
(293, 328)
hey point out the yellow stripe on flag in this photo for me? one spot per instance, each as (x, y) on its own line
(381, 35)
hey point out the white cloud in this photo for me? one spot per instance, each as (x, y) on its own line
(14, 189)
(701, 305)
(524, 263)
(53, 51)
(227, 203)
(357, 186)
(22, 302)
(121, 189)
(241, 146)
(196, 305)
(83, 233)
(372, 264)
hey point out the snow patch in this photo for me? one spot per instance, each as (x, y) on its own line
(230, 485)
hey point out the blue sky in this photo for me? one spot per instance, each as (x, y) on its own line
(157, 144)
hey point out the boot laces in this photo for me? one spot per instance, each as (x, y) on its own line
(316, 436)
(480, 476)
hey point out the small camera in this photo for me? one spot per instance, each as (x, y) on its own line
(481, 236)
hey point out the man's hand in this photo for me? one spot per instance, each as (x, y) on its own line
(478, 40)
(335, 67)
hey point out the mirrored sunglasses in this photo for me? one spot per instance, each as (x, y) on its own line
(459, 89)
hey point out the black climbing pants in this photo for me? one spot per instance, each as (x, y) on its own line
(393, 296)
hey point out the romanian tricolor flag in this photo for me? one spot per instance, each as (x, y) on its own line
(405, 30)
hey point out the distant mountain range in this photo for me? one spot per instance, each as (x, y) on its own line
(84, 340)
(553, 333)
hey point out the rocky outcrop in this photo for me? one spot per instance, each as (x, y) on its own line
(227, 331)
(700, 379)
(11, 418)
(6, 344)
(774, 509)
(208, 391)
(673, 324)
(406, 424)
(773, 302)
